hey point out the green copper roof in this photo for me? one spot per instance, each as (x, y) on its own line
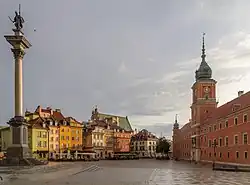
(123, 121)
(204, 71)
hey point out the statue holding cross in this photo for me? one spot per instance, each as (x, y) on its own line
(18, 20)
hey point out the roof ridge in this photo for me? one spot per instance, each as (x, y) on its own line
(112, 115)
(231, 101)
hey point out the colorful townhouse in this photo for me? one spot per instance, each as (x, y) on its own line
(53, 136)
(122, 141)
(107, 134)
(65, 134)
(76, 134)
(38, 132)
(144, 143)
(6, 138)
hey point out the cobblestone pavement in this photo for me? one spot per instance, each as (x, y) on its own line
(131, 172)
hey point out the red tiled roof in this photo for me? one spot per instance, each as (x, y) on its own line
(45, 111)
(37, 123)
(243, 101)
(57, 116)
(71, 118)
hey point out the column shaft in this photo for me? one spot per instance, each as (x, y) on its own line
(18, 87)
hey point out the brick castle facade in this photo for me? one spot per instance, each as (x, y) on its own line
(213, 133)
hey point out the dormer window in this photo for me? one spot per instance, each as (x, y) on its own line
(51, 123)
(236, 107)
(44, 125)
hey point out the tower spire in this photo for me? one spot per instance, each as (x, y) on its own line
(176, 124)
(203, 56)
(176, 121)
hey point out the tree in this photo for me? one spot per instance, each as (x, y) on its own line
(163, 146)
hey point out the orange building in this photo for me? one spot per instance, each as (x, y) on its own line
(76, 133)
(213, 134)
(122, 141)
(65, 136)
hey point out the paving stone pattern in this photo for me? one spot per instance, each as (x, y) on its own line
(140, 172)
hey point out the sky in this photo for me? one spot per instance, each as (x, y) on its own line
(132, 58)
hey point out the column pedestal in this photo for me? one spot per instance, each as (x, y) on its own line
(19, 150)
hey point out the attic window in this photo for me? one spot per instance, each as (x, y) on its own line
(236, 107)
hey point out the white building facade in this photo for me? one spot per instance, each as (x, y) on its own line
(144, 144)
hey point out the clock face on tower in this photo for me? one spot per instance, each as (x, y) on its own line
(206, 89)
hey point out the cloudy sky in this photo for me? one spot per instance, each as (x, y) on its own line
(134, 58)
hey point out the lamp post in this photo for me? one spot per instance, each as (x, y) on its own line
(214, 144)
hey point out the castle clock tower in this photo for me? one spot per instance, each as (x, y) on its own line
(204, 101)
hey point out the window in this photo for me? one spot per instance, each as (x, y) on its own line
(228, 154)
(226, 124)
(205, 138)
(73, 138)
(51, 146)
(39, 143)
(220, 125)
(220, 142)
(220, 154)
(210, 154)
(245, 155)
(236, 139)
(245, 118)
(62, 137)
(236, 121)
(214, 127)
(210, 129)
(209, 143)
(237, 155)
(245, 139)
(226, 141)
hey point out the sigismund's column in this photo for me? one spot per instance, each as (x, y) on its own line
(19, 149)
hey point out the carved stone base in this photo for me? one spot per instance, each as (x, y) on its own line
(18, 152)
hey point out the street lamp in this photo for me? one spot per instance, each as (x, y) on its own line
(214, 146)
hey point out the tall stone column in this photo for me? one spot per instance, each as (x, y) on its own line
(19, 149)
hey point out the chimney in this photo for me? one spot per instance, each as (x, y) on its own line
(240, 93)
(58, 110)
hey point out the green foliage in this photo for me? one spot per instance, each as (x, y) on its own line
(163, 146)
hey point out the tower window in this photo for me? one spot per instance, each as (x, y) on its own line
(245, 118)
(226, 124)
(236, 121)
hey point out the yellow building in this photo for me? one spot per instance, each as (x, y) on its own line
(76, 134)
(6, 139)
(30, 116)
(64, 136)
(38, 140)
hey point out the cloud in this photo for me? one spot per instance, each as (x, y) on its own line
(159, 129)
(139, 64)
